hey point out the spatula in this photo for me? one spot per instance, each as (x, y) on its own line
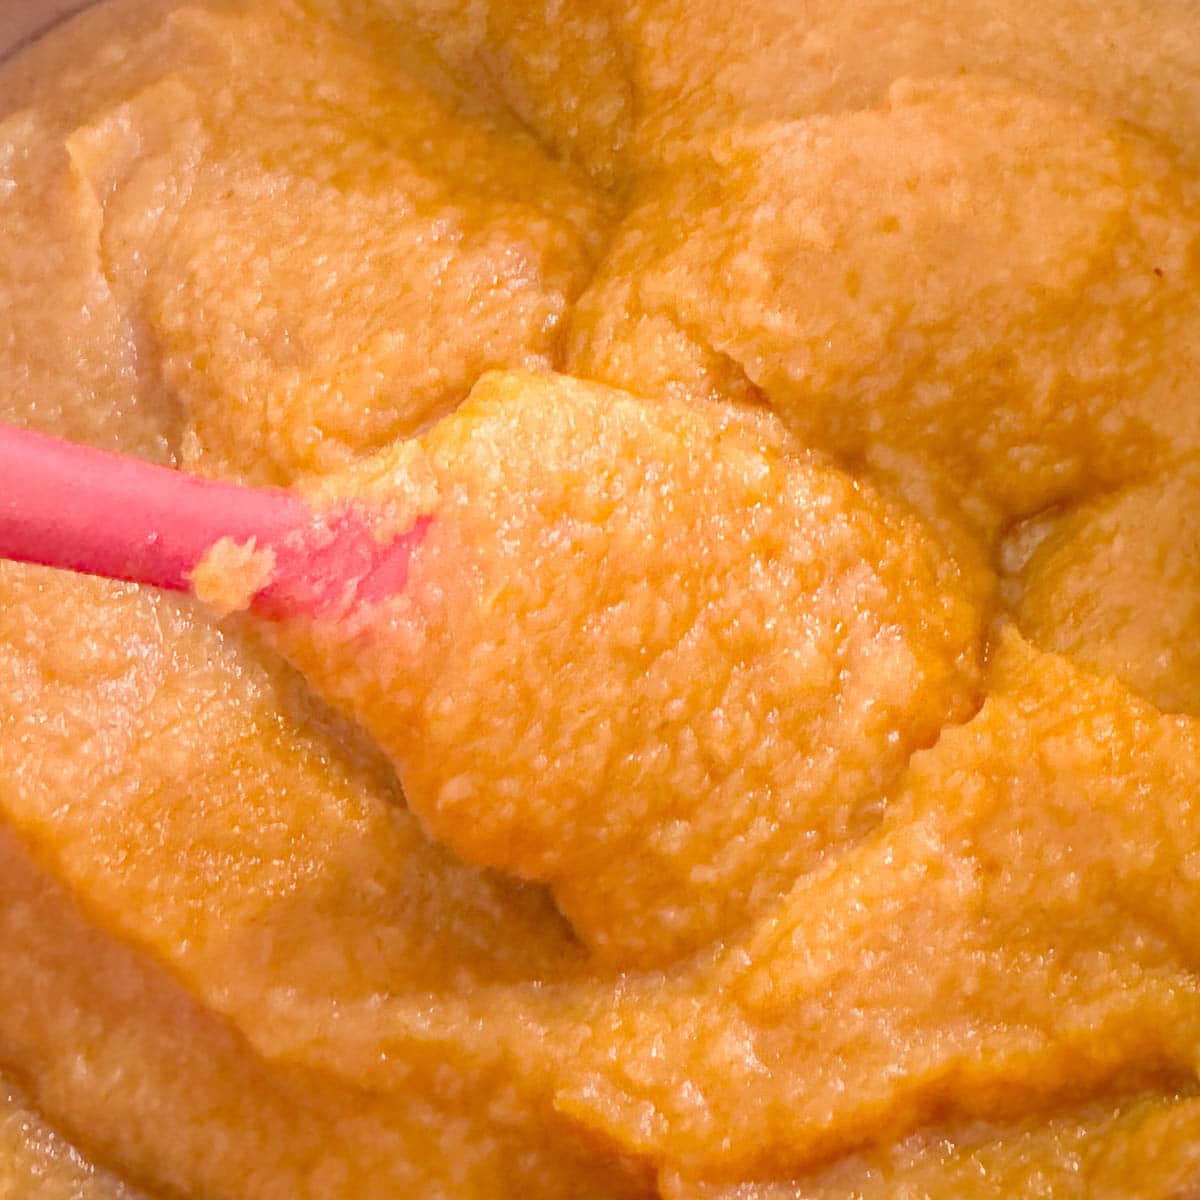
(81, 509)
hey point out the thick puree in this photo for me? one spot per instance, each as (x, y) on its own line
(780, 776)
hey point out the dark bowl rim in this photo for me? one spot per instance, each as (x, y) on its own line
(28, 39)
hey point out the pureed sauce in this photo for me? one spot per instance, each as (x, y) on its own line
(795, 692)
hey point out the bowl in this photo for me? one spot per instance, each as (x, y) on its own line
(22, 21)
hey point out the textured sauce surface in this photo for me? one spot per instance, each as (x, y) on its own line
(779, 778)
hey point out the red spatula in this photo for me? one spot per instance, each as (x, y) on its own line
(81, 509)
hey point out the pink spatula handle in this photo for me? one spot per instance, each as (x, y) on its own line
(81, 509)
